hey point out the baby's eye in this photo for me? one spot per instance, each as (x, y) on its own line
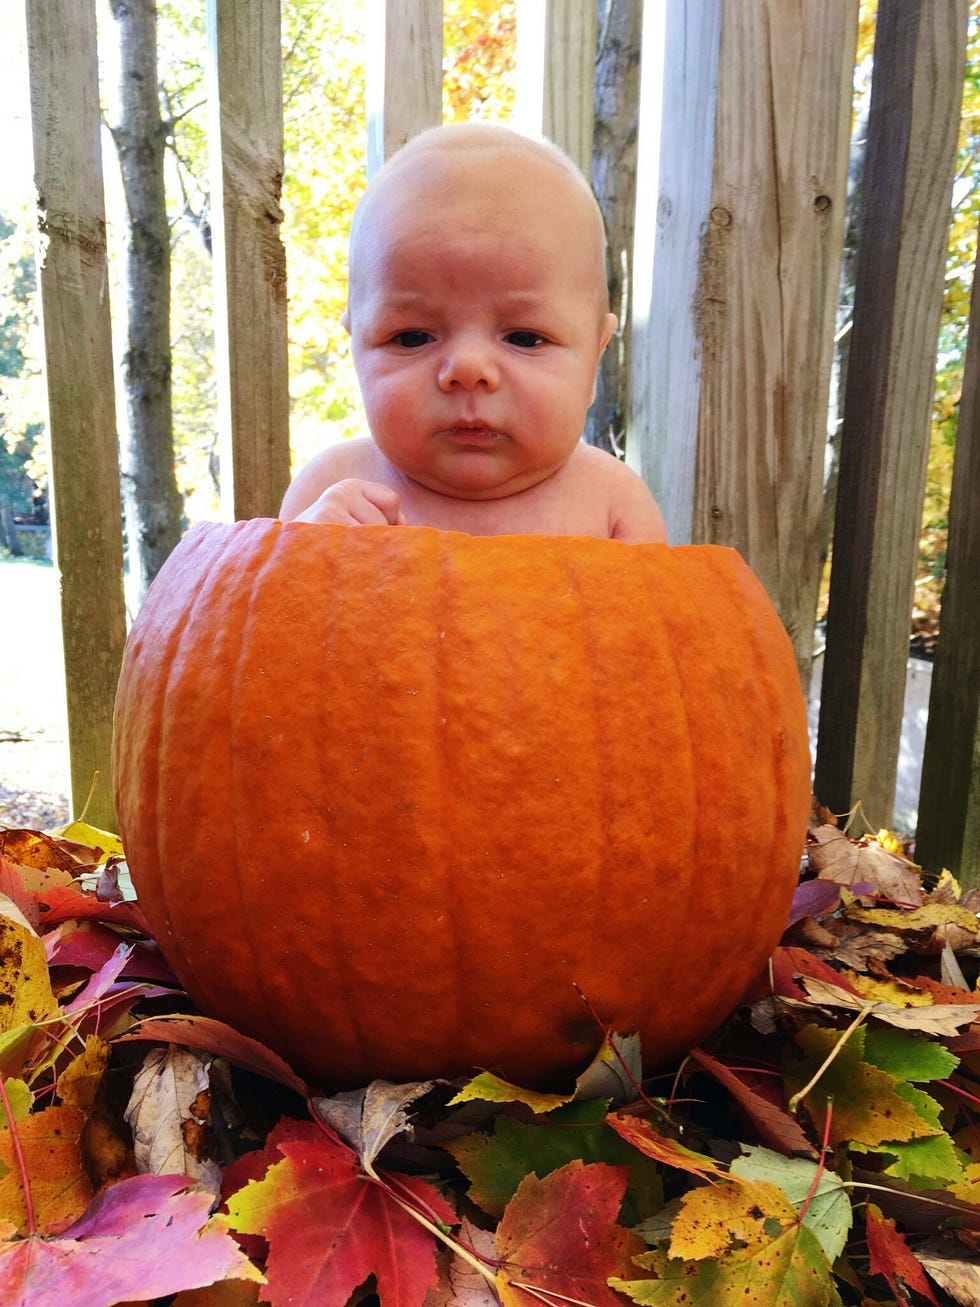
(412, 339)
(524, 339)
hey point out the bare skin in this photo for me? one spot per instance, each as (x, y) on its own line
(477, 314)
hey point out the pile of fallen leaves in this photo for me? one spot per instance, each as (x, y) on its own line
(821, 1149)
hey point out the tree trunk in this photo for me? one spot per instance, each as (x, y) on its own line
(152, 501)
(617, 88)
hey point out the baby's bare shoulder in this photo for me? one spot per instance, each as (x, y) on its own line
(633, 513)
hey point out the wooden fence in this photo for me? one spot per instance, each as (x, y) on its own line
(743, 121)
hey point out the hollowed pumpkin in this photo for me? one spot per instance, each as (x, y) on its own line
(394, 798)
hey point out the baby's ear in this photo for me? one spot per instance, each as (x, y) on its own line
(609, 325)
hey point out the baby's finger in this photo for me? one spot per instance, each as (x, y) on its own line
(385, 500)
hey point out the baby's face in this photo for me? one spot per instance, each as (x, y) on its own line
(477, 317)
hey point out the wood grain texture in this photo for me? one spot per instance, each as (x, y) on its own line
(767, 291)
(674, 169)
(569, 77)
(78, 367)
(404, 74)
(914, 115)
(245, 65)
(948, 833)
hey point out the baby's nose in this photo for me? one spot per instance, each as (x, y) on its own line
(468, 362)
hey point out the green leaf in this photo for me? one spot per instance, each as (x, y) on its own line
(925, 1163)
(908, 1056)
(867, 1105)
(789, 1271)
(495, 1165)
(829, 1214)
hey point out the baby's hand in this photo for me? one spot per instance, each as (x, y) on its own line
(353, 502)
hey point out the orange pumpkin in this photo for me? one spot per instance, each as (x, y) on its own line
(394, 798)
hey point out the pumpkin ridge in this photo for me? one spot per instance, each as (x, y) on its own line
(199, 541)
(265, 557)
(407, 899)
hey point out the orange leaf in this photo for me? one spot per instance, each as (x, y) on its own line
(60, 1189)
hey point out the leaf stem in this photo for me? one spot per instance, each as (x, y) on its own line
(470, 1258)
(31, 1221)
(822, 1162)
(798, 1098)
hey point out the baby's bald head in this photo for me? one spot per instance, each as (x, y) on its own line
(483, 173)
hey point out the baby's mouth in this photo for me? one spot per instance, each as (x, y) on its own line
(471, 434)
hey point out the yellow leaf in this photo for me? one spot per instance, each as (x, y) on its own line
(60, 1189)
(103, 842)
(79, 1082)
(25, 984)
(717, 1220)
(491, 1089)
(889, 991)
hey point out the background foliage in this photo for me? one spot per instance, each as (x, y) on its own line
(323, 76)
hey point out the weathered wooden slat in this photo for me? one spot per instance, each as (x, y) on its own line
(913, 121)
(404, 74)
(556, 51)
(78, 368)
(245, 92)
(674, 168)
(948, 833)
(762, 309)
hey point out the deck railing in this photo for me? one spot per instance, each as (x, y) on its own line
(742, 122)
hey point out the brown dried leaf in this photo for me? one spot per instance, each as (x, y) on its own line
(863, 862)
(163, 1112)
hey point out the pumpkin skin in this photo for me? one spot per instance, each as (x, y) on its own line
(391, 796)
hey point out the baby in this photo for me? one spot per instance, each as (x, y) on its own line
(477, 311)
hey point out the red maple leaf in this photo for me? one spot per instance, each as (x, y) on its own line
(892, 1257)
(558, 1239)
(330, 1226)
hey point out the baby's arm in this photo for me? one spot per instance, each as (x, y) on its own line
(326, 491)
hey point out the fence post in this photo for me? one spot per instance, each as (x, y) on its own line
(730, 421)
(245, 99)
(72, 270)
(948, 832)
(917, 84)
(404, 74)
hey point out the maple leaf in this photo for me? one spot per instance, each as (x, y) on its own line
(790, 1270)
(828, 1207)
(713, 1221)
(59, 1189)
(140, 1239)
(495, 1165)
(558, 1240)
(892, 1258)
(329, 1226)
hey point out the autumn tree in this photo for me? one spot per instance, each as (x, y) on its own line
(152, 502)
